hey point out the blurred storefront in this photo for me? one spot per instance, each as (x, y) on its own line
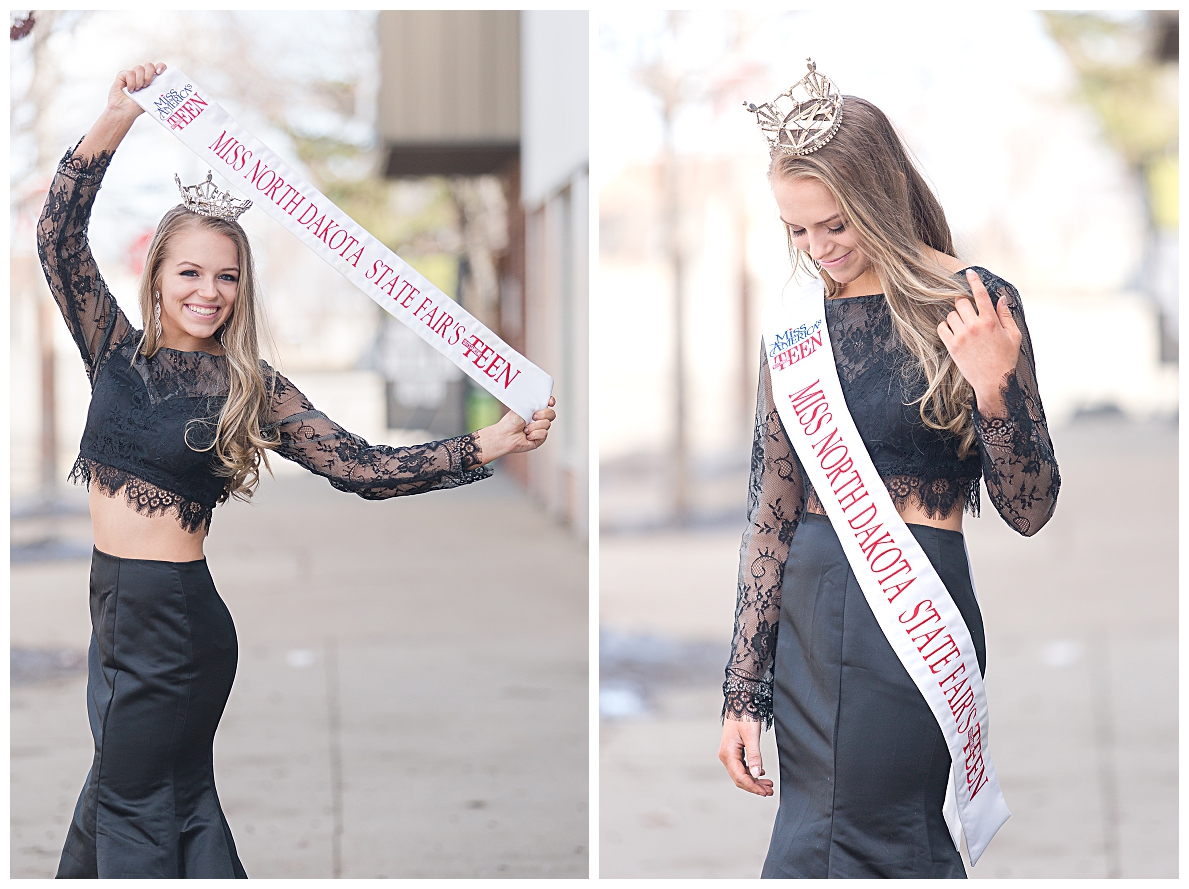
(503, 114)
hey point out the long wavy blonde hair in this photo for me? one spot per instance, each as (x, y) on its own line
(890, 209)
(240, 441)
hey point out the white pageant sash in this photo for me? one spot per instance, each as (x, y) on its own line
(174, 101)
(907, 597)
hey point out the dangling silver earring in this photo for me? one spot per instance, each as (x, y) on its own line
(157, 315)
(222, 330)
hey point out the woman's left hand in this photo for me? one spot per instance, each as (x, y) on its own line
(984, 342)
(511, 435)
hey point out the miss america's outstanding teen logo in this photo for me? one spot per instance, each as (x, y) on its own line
(794, 344)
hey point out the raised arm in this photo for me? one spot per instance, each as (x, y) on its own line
(1019, 468)
(775, 502)
(95, 321)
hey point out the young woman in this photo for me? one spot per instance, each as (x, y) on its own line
(937, 370)
(182, 414)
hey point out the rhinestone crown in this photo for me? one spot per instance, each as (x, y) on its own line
(804, 117)
(206, 199)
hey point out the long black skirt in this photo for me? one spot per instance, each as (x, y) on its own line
(162, 659)
(863, 763)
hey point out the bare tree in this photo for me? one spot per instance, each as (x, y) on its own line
(673, 89)
(715, 81)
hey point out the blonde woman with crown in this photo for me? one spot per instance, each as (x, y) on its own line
(182, 416)
(936, 368)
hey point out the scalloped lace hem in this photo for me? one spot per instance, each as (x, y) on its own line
(938, 497)
(747, 700)
(144, 497)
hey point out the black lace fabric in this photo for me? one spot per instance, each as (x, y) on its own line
(917, 464)
(95, 321)
(776, 493)
(151, 421)
(374, 472)
(145, 497)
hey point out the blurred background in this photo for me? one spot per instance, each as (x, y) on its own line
(460, 140)
(1052, 141)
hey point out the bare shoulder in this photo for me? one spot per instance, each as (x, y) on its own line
(947, 262)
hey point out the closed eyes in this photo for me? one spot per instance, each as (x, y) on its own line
(798, 232)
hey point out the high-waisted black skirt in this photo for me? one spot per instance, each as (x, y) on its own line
(161, 663)
(863, 763)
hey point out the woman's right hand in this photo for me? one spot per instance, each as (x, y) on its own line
(740, 753)
(119, 113)
(136, 78)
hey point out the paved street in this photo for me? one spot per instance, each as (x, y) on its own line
(1082, 673)
(411, 698)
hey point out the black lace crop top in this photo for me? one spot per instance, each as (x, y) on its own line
(151, 420)
(919, 465)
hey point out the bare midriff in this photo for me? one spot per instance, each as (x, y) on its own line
(911, 513)
(123, 532)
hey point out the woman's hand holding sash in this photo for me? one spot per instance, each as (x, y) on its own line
(121, 110)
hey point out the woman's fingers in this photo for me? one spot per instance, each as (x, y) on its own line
(749, 737)
(1006, 318)
(984, 346)
(982, 299)
(147, 73)
(965, 310)
(539, 427)
(133, 78)
(140, 76)
(522, 436)
(545, 413)
(755, 762)
(729, 756)
(950, 327)
(537, 431)
(970, 312)
(740, 739)
(947, 335)
(990, 316)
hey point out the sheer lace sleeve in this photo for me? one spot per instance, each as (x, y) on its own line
(374, 472)
(775, 501)
(1019, 468)
(91, 313)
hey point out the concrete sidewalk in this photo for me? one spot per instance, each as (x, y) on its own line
(411, 698)
(1082, 676)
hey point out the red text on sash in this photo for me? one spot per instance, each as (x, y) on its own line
(884, 560)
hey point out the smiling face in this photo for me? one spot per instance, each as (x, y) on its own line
(817, 228)
(198, 283)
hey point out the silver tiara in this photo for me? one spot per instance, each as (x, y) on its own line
(804, 117)
(207, 200)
